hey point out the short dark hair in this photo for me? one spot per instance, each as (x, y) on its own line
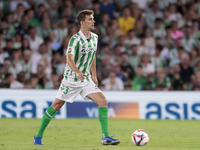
(15, 50)
(31, 28)
(8, 40)
(4, 20)
(7, 75)
(159, 47)
(160, 86)
(158, 38)
(55, 52)
(131, 30)
(24, 16)
(158, 19)
(26, 11)
(195, 21)
(7, 58)
(187, 26)
(41, 5)
(117, 45)
(81, 15)
(1, 32)
(139, 66)
(17, 33)
(142, 36)
(105, 45)
(180, 48)
(168, 27)
(34, 75)
(95, 2)
(20, 4)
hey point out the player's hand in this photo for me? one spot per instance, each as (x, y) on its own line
(80, 76)
(94, 79)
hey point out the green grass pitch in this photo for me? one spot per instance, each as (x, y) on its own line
(85, 134)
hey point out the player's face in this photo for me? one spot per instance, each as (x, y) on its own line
(89, 22)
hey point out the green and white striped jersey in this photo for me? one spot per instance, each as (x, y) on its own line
(84, 51)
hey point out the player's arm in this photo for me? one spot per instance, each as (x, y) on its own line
(71, 52)
(70, 62)
(93, 71)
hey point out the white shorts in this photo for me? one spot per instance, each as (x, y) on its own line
(69, 90)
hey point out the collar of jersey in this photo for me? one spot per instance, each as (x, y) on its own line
(83, 36)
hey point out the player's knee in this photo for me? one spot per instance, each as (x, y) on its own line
(56, 106)
(104, 102)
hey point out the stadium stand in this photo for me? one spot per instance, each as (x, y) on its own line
(143, 44)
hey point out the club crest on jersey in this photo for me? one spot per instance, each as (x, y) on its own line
(69, 50)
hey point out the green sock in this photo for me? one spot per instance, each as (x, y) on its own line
(103, 118)
(48, 115)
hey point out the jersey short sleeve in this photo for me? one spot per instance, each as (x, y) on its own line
(72, 45)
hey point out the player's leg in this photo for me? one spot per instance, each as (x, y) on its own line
(47, 116)
(66, 93)
(102, 104)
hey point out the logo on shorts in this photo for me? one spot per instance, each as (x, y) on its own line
(96, 87)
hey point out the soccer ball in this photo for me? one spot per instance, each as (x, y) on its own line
(140, 137)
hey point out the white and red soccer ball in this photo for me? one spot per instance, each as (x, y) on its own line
(140, 137)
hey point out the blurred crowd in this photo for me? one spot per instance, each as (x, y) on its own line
(143, 44)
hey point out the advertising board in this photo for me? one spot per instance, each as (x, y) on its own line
(123, 105)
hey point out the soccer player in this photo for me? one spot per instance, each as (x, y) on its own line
(80, 78)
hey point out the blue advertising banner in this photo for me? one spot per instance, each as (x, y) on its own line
(115, 110)
(127, 105)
